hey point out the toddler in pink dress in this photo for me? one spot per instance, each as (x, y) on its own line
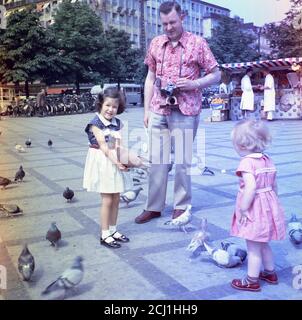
(258, 217)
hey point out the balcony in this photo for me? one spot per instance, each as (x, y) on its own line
(21, 3)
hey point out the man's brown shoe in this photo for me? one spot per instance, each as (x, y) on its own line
(177, 213)
(147, 216)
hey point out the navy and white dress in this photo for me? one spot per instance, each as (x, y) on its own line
(101, 174)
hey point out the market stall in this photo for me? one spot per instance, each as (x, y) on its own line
(287, 74)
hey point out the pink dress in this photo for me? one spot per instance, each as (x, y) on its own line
(266, 220)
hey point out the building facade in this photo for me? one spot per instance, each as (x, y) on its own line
(139, 18)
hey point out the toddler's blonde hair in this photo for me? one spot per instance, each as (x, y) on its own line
(251, 135)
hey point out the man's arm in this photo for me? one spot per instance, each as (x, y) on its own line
(148, 93)
(211, 78)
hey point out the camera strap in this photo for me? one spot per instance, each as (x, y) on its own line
(163, 58)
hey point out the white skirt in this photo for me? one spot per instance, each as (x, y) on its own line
(102, 176)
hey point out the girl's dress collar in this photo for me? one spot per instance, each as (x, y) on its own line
(256, 155)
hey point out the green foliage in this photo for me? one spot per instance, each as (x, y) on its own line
(81, 41)
(126, 62)
(27, 50)
(230, 43)
(286, 39)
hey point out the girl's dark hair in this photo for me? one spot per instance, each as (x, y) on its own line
(114, 93)
(167, 6)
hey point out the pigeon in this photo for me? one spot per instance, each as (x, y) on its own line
(26, 263)
(182, 220)
(49, 143)
(5, 182)
(221, 257)
(9, 210)
(196, 245)
(234, 250)
(20, 174)
(69, 278)
(295, 230)
(28, 143)
(141, 173)
(136, 181)
(207, 171)
(203, 169)
(53, 235)
(68, 194)
(19, 148)
(130, 195)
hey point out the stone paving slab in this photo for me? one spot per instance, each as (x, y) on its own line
(155, 264)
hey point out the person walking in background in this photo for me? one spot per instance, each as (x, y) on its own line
(259, 216)
(269, 101)
(247, 99)
(41, 102)
(172, 104)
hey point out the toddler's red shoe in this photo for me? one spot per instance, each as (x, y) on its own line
(271, 278)
(244, 284)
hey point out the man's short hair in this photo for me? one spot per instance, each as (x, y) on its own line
(167, 6)
(248, 70)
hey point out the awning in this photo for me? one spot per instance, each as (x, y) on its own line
(278, 64)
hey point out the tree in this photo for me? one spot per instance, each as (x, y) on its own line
(81, 41)
(126, 61)
(27, 51)
(230, 43)
(286, 36)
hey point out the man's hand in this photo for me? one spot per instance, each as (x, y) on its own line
(146, 119)
(186, 84)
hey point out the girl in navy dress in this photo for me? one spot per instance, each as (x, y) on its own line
(104, 173)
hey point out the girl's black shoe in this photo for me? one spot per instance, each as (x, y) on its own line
(110, 244)
(121, 238)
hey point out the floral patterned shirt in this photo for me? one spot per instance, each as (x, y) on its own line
(186, 60)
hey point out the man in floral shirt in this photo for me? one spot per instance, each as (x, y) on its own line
(172, 102)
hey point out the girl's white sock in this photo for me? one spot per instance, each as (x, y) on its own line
(105, 234)
(112, 229)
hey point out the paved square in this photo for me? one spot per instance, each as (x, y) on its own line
(155, 264)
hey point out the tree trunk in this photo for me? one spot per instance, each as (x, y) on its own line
(77, 87)
(26, 88)
(17, 88)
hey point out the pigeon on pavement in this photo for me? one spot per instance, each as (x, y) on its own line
(9, 210)
(19, 148)
(20, 174)
(49, 143)
(28, 143)
(68, 194)
(182, 220)
(295, 230)
(5, 182)
(26, 263)
(234, 250)
(53, 235)
(130, 195)
(69, 278)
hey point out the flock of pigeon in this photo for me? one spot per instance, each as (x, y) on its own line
(26, 262)
(228, 256)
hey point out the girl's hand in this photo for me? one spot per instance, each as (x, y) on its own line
(122, 167)
(244, 218)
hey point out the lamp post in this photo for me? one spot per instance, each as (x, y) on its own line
(259, 41)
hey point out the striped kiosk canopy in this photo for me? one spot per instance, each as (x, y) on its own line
(279, 64)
